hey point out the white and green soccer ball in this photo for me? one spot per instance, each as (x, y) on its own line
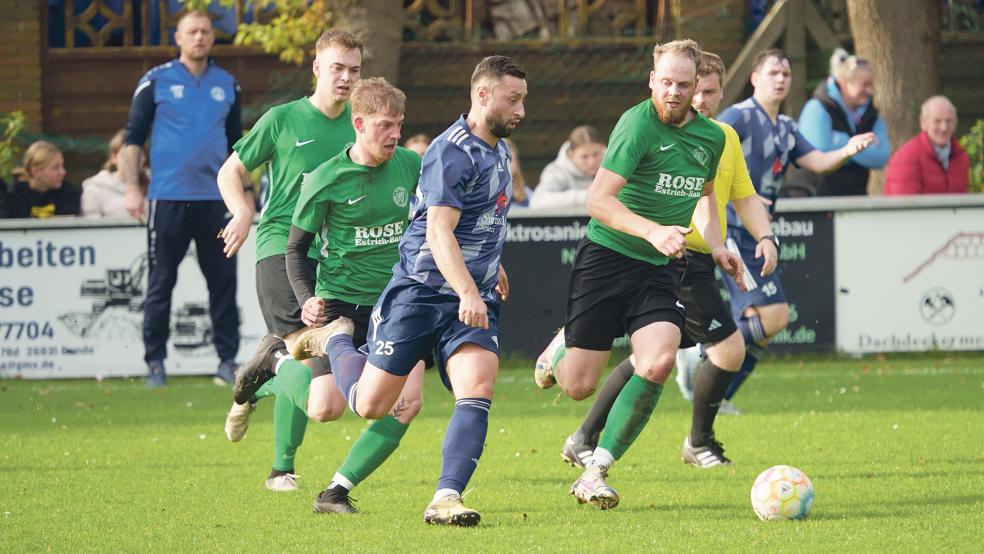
(782, 492)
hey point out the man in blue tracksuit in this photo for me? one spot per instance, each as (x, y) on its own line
(190, 108)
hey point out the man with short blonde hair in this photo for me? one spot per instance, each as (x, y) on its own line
(292, 140)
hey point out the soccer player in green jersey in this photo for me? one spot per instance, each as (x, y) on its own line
(358, 202)
(657, 175)
(708, 320)
(292, 139)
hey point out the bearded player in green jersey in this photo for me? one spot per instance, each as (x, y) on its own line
(358, 202)
(292, 139)
(657, 175)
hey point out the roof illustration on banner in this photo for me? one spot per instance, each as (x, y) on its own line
(962, 246)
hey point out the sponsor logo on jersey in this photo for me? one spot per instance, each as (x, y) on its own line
(401, 197)
(378, 234)
(218, 94)
(177, 91)
(678, 185)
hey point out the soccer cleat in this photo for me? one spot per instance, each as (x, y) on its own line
(282, 483)
(688, 362)
(334, 500)
(727, 408)
(258, 369)
(226, 374)
(543, 373)
(237, 420)
(709, 455)
(156, 375)
(575, 453)
(591, 487)
(450, 510)
(311, 343)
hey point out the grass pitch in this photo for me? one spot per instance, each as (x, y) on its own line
(895, 449)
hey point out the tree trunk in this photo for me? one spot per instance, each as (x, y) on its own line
(380, 27)
(901, 38)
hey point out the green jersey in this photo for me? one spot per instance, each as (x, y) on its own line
(294, 138)
(665, 168)
(360, 214)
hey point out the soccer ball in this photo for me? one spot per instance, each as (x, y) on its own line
(782, 492)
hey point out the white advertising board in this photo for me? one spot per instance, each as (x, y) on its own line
(910, 280)
(71, 305)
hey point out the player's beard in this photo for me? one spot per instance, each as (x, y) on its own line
(499, 129)
(672, 116)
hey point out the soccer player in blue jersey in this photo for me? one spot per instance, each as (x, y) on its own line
(190, 109)
(443, 294)
(770, 141)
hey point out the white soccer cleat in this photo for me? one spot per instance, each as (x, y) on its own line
(450, 510)
(543, 372)
(311, 343)
(283, 483)
(707, 456)
(688, 362)
(574, 453)
(591, 487)
(237, 420)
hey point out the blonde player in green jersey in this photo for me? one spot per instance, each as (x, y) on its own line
(656, 177)
(358, 202)
(292, 140)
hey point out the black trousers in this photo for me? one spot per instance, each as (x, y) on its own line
(171, 226)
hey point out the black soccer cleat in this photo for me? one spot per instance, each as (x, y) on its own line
(259, 369)
(334, 500)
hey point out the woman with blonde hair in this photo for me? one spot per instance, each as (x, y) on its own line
(40, 189)
(842, 107)
(104, 194)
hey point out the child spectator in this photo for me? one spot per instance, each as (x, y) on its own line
(40, 189)
(564, 182)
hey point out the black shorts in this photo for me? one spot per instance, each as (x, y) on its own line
(611, 294)
(708, 314)
(279, 306)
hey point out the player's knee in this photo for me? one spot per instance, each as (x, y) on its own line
(776, 321)
(325, 413)
(579, 391)
(729, 353)
(657, 368)
(372, 409)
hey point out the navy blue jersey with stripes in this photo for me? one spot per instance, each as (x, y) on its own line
(461, 171)
(768, 148)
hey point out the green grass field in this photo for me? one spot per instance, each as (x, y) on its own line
(895, 449)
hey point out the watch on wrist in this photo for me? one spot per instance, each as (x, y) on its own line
(773, 238)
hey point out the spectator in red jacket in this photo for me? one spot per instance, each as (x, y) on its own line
(931, 162)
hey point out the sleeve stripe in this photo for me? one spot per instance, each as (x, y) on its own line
(142, 86)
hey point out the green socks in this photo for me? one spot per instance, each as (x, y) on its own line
(289, 424)
(295, 383)
(629, 415)
(370, 451)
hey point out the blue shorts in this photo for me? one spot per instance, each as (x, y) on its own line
(411, 320)
(769, 289)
